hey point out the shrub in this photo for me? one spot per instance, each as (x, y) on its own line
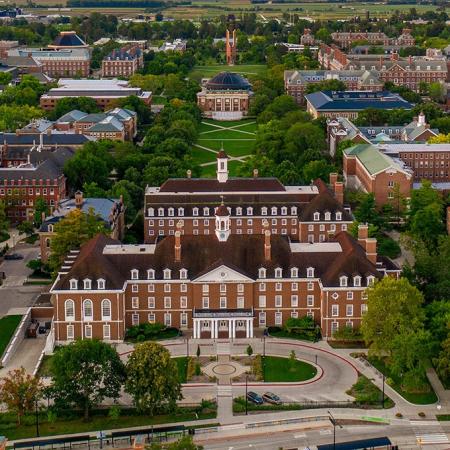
(190, 369)
(348, 334)
(198, 369)
(146, 331)
(257, 368)
(388, 247)
(421, 414)
(114, 412)
(249, 350)
(399, 415)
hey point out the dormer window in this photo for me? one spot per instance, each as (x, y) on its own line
(262, 272)
(239, 211)
(327, 216)
(310, 272)
(151, 212)
(100, 283)
(370, 280)
(150, 274)
(343, 281)
(278, 272)
(357, 281)
(206, 211)
(160, 212)
(87, 283)
(167, 273)
(338, 216)
(274, 211)
(171, 212)
(195, 211)
(73, 284)
(181, 212)
(294, 210)
(249, 211)
(135, 274)
(284, 211)
(50, 228)
(183, 274)
(264, 211)
(316, 216)
(294, 272)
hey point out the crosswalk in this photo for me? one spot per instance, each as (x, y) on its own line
(429, 432)
(224, 390)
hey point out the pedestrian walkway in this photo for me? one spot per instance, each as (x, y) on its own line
(429, 432)
(223, 348)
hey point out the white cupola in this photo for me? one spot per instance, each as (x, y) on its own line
(222, 223)
(222, 166)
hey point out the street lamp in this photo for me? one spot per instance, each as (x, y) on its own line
(246, 398)
(187, 346)
(37, 418)
(382, 400)
(334, 422)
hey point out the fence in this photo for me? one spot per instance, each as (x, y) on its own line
(17, 339)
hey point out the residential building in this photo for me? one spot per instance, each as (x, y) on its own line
(40, 177)
(117, 124)
(302, 213)
(225, 97)
(297, 81)
(68, 40)
(342, 129)
(178, 45)
(104, 92)
(68, 62)
(110, 211)
(348, 104)
(367, 168)
(123, 63)
(346, 39)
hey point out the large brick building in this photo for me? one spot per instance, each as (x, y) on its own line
(297, 81)
(123, 63)
(304, 213)
(223, 283)
(368, 169)
(346, 39)
(40, 177)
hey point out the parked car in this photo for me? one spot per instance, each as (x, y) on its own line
(13, 256)
(255, 398)
(270, 397)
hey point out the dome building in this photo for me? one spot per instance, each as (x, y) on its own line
(225, 97)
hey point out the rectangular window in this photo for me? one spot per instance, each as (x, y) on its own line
(262, 301)
(134, 288)
(223, 302)
(151, 287)
(363, 309)
(335, 310)
(310, 300)
(278, 301)
(106, 332)
(151, 318)
(294, 286)
(240, 303)
(205, 288)
(205, 302)
(294, 314)
(349, 295)
(349, 310)
(278, 287)
(167, 319)
(70, 332)
(183, 302)
(88, 331)
(183, 319)
(167, 287)
(135, 302)
(262, 287)
(262, 319)
(278, 318)
(294, 301)
(310, 286)
(167, 302)
(151, 302)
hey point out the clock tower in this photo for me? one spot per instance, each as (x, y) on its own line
(222, 223)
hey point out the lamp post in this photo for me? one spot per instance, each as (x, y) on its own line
(334, 422)
(246, 398)
(382, 400)
(187, 346)
(37, 418)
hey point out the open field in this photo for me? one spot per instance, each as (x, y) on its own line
(212, 8)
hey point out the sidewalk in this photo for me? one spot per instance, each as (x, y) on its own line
(14, 238)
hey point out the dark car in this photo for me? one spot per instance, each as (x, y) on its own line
(255, 398)
(13, 256)
(270, 397)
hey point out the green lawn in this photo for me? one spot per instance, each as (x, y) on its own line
(226, 135)
(443, 417)
(367, 394)
(98, 421)
(8, 325)
(201, 156)
(278, 369)
(182, 364)
(229, 123)
(232, 148)
(424, 398)
(45, 369)
(199, 72)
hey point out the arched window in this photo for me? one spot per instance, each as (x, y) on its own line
(171, 212)
(283, 211)
(181, 212)
(294, 210)
(47, 243)
(239, 211)
(100, 283)
(160, 212)
(249, 211)
(195, 211)
(278, 272)
(69, 307)
(274, 211)
(150, 274)
(338, 216)
(316, 216)
(87, 309)
(50, 228)
(294, 272)
(343, 281)
(327, 216)
(206, 211)
(151, 212)
(262, 272)
(106, 309)
(264, 211)
(310, 272)
(183, 274)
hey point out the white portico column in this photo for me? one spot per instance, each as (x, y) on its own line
(194, 328)
(212, 328)
(251, 327)
(197, 331)
(247, 328)
(233, 328)
(216, 328)
(230, 328)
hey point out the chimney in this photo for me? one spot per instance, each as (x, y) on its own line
(339, 191)
(333, 179)
(267, 246)
(363, 234)
(255, 173)
(178, 246)
(371, 250)
(78, 199)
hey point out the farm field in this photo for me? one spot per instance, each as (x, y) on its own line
(236, 137)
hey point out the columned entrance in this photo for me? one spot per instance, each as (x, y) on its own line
(229, 322)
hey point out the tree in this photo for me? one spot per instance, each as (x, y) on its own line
(442, 362)
(71, 232)
(440, 139)
(318, 169)
(41, 211)
(184, 443)
(249, 350)
(26, 227)
(424, 196)
(152, 378)
(366, 211)
(4, 223)
(436, 92)
(86, 372)
(13, 116)
(20, 391)
(67, 104)
(427, 224)
(393, 307)
(326, 85)
(198, 351)
(292, 360)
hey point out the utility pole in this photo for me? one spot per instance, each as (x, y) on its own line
(246, 398)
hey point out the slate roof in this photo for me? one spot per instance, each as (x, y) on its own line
(202, 253)
(228, 81)
(314, 76)
(72, 116)
(28, 139)
(356, 100)
(68, 39)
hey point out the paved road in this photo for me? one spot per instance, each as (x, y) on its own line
(12, 293)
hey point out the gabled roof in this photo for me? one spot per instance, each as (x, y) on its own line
(72, 116)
